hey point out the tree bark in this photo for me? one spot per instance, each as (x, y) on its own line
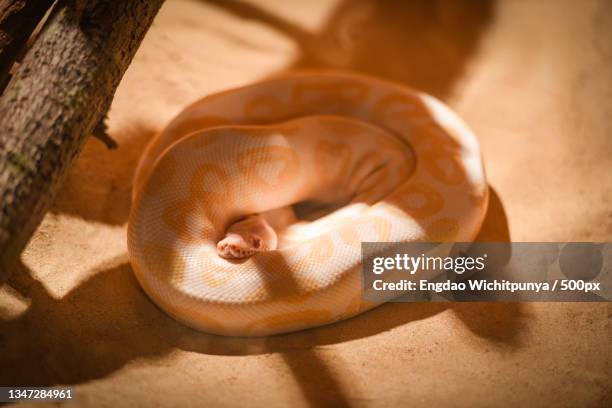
(18, 19)
(59, 93)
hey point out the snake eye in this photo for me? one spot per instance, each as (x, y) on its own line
(256, 242)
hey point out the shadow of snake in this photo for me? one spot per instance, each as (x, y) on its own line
(107, 321)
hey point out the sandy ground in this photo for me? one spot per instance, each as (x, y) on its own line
(533, 79)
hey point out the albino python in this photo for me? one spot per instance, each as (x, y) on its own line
(213, 236)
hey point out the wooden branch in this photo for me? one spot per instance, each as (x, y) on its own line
(60, 92)
(100, 132)
(18, 19)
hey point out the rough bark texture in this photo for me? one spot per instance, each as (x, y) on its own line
(60, 92)
(18, 19)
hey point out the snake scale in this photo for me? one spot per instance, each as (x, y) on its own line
(215, 237)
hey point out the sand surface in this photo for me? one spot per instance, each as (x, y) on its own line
(532, 78)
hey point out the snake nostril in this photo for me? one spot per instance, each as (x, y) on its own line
(256, 243)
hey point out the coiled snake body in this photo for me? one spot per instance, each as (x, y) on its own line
(211, 236)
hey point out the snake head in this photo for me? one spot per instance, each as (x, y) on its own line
(247, 236)
(238, 246)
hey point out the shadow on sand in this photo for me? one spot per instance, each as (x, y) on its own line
(108, 321)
